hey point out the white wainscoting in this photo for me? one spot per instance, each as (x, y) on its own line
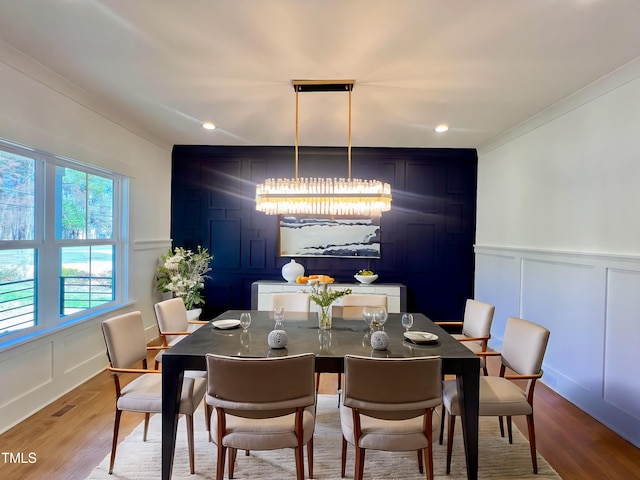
(591, 305)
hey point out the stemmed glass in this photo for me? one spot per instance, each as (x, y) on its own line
(407, 321)
(379, 317)
(278, 316)
(245, 320)
(368, 314)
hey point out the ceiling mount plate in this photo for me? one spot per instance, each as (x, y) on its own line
(323, 85)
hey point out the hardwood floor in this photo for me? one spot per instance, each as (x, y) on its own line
(72, 435)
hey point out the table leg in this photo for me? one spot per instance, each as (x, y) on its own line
(171, 391)
(469, 395)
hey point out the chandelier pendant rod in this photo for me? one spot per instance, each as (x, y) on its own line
(296, 133)
(349, 146)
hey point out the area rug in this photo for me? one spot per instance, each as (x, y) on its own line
(498, 459)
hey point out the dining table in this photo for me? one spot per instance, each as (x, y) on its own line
(346, 336)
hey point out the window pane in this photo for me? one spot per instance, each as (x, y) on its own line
(17, 197)
(100, 207)
(17, 290)
(86, 278)
(71, 197)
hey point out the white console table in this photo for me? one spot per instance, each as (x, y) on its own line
(396, 293)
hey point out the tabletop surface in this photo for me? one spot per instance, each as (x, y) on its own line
(304, 336)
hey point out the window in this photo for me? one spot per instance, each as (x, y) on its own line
(61, 240)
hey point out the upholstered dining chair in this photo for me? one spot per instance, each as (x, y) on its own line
(124, 337)
(476, 327)
(291, 302)
(523, 348)
(262, 404)
(389, 404)
(353, 304)
(173, 323)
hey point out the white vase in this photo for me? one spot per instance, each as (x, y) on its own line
(194, 314)
(292, 270)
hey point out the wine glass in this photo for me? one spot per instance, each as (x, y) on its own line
(379, 317)
(278, 316)
(245, 320)
(368, 314)
(407, 321)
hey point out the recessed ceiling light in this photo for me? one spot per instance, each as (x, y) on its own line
(441, 128)
(208, 126)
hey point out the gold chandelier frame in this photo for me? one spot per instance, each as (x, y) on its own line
(323, 196)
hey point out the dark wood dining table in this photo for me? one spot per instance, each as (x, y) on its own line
(330, 347)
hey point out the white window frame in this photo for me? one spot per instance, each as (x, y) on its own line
(47, 264)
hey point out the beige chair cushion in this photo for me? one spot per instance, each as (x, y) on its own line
(144, 394)
(498, 397)
(264, 433)
(391, 435)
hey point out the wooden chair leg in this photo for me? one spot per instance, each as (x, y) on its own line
(189, 422)
(509, 429)
(339, 390)
(420, 461)
(220, 465)
(344, 458)
(310, 457)
(299, 456)
(233, 452)
(442, 423)
(359, 463)
(452, 426)
(532, 443)
(428, 452)
(500, 420)
(147, 416)
(114, 444)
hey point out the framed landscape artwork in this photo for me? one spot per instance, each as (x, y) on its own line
(302, 236)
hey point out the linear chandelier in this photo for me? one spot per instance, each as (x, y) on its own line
(323, 196)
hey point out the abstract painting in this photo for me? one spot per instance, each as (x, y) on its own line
(329, 237)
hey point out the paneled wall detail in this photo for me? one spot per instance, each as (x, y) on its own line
(426, 239)
(590, 303)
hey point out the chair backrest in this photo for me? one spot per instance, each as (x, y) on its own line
(523, 346)
(353, 304)
(478, 317)
(125, 339)
(392, 388)
(263, 386)
(292, 302)
(172, 317)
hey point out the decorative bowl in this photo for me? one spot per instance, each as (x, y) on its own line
(366, 279)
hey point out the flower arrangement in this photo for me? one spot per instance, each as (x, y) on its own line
(183, 272)
(324, 296)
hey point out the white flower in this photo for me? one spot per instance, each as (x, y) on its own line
(183, 272)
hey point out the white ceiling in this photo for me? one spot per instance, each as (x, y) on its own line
(483, 67)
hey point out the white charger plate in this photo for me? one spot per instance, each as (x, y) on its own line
(421, 337)
(226, 324)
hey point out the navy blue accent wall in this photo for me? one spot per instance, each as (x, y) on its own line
(426, 239)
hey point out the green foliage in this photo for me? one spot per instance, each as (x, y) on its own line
(183, 272)
(324, 296)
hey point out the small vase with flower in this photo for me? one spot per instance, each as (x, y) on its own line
(323, 296)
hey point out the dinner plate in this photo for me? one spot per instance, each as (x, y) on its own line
(226, 324)
(421, 337)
